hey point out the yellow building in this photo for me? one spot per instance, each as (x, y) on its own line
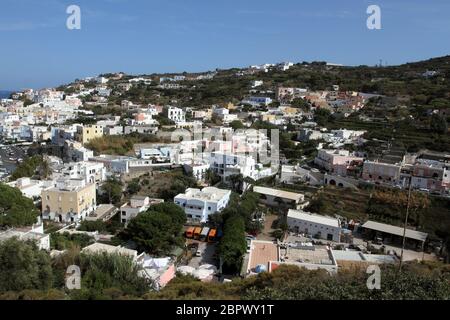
(289, 111)
(70, 201)
(268, 117)
(85, 134)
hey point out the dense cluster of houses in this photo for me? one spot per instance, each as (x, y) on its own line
(68, 194)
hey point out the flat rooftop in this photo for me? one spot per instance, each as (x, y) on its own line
(314, 218)
(102, 211)
(261, 253)
(208, 193)
(279, 193)
(394, 230)
(100, 247)
(358, 256)
(318, 256)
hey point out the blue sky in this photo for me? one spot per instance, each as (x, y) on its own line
(146, 36)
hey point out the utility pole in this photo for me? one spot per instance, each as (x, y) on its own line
(406, 223)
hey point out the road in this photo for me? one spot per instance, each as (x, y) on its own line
(9, 155)
(207, 255)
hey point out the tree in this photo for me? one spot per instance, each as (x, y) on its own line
(15, 209)
(233, 245)
(29, 168)
(322, 116)
(158, 230)
(236, 181)
(211, 177)
(109, 276)
(438, 124)
(236, 125)
(111, 191)
(24, 266)
(133, 187)
(300, 104)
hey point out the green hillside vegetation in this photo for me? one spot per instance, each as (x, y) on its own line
(30, 274)
(15, 209)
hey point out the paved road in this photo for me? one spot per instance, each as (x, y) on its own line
(207, 257)
(9, 155)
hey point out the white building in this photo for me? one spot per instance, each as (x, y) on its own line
(175, 114)
(131, 209)
(90, 172)
(257, 83)
(199, 204)
(315, 225)
(30, 188)
(34, 233)
(197, 169)
(258, 101)
(228, 164)
(277, 198)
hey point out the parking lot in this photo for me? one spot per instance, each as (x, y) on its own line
(10, 156)
(207, 254)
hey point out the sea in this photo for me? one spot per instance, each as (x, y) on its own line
(5, 94)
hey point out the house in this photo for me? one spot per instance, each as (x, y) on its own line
(90, 172)
(315, 225)
(100, 248)
(266, 256)
(144, 129)
(199, 204)
(293, 174)
(284, 66)
(224, 115)
(337, 161)
(262, 253)
(258, 101)
(347, 259)
(30, 188)
(306, 134)
(34, 233)
(85, 134)
(160, 271)
(113, 130)
(257, 83)
(380, 172)
(431, 175)
(308, 256)
(76, 152)
(104, 212)
(277, 198)
(71, 200)
(131, 209)
(197, 169)
(289, 94)
(228, 164)
(175, 114)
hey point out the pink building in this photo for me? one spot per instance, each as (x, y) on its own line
(338, 162)
(381, 172)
